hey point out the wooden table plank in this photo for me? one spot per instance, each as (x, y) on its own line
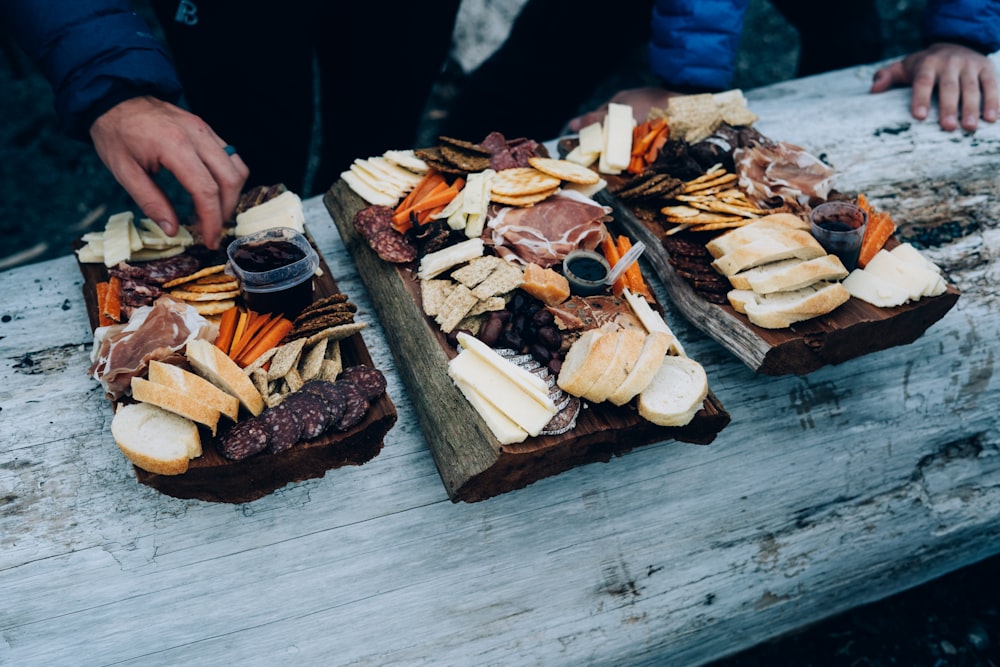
(826, 491)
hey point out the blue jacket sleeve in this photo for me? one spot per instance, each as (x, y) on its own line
(94, 54)
(973, 23)
(694, 42)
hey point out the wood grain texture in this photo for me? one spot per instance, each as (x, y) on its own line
(473, 464)
(826, 491)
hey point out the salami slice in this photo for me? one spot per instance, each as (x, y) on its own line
(371, 220)
(334, 398)
(355, 405)
(283, 426)
(370, 381)
(243, 440)
(393, 247)
(311, 411)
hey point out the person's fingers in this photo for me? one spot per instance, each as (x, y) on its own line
(230, 174)
(589, 118)
(147, 195)
(970, 99)
(195, 177)
(990, 93)
(888, 77)
(949, 91)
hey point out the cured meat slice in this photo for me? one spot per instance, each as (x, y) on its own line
(158, 271)
(311, 411)
(370, 381)
(372, 219)
(336, 402)
(283, 426)
(391, 246)
(244, 440)
(356, 405)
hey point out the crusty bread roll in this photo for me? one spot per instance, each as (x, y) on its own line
(782, 309)
(789, 274)
(174, 401)
(676, 392)
(654, 349)
(626, 354)
(154, 439)
(215, 366)
(194, 387)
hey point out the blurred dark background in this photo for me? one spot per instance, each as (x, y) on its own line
(52, 190)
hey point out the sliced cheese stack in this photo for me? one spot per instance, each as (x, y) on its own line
(893, 277)
(124, 241)
(467, 211)
(385, 179)
(780, 273)
(285, 210)
(513, 402)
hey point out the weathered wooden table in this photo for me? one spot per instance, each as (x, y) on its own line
(825, 492)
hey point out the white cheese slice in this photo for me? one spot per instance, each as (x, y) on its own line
(452, 207)
(407, 159)
(376, 181)
(618, 140)
(154, 238)
(592, 138)
(365, 191)
(652, 320)
(394, 172)
(504, 429)
(873, 289)
(285, 210)
(908, 253)
(117, 241)
(581, 158)
(913, 278)
(586, 190)
(529, 382)
(435, 263)
(502, 393)
(134, 240)
(91, 253)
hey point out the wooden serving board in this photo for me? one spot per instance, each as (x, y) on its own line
(214, 478)
(854, 329)
(473, 465)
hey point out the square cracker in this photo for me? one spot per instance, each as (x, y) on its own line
(456, 306)
(506, 277)
(477, 270)
(433, 294)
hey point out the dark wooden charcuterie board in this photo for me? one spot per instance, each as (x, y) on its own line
(472, 464)
(214, 478)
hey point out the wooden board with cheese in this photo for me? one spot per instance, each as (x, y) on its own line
(475, 458)
(209, 475)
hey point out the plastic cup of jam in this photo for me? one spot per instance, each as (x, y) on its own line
(839, 226)
(275, 268)
(586, 272)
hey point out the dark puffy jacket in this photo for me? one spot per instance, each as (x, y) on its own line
(94, 54)
(694, 42)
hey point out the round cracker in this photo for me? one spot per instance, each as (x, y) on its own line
(207, 271)
(227, 286)
(526, 200)
(565, 170)
(213, 307)
(186, 295)
(521, 181)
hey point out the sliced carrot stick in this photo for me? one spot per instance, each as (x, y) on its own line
(420, 190)
(256, 322)
(227, 327)
(113, 303)
(610, 250)
(265, 339)
(879, 229)
(241, 325)
(402, 216)
(102, 300)
(636, 283)
(659, 141)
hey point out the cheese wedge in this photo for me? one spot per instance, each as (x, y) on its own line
(435, 263)
(874, 289)
(504, 429)
(912, 277)
(528, 382)
(118, 239)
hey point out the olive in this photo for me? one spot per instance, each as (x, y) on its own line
(511, 339)
(555, 365)
(489, 333)
(542, 317)
(541, 354)
(549, 336)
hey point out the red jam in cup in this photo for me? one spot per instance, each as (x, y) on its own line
(275, 268)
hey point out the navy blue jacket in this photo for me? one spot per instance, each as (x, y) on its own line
(94, 54)
(694, 42)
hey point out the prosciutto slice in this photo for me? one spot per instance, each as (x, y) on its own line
(160, 331)
(545, 233)
(781, 169)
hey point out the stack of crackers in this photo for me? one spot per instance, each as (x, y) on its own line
(712, 202)
(695, 117)
(209, 291)
(476, 288)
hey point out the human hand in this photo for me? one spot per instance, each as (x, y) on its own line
(960, 75)
(139, 136)
(642, 100)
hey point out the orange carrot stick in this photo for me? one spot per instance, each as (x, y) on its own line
(113, 301)
(256, 322)
(102, 300)
(612, 255)
(265, 339)
(636, 283)
(227, 327)
(879, 229)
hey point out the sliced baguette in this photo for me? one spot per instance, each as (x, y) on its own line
(194, 386)
(789, 274)
(676, 392)
(586, 359)
(729, 241)
(769, 248)
(654, 349)
(215, 366)
(627, 353)
(174, 401)
(739, 298)
(154, 439)
(782, 309)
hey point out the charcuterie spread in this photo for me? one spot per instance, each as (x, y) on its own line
(508, 296)
(231, 372)
(752, 240)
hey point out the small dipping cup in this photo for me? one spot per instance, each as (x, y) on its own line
(586, 271)
(839, 226)
(275, 268)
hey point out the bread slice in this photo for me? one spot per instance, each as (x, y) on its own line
(782, 309)
(195, 387)
(587, 359)
(789, 274)
(215, 366)
(154, 439)
(174, 401)
(676, 392)
(626, 354)
(739, 298)
(776, 222)
(654, 349)
(770, 247)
